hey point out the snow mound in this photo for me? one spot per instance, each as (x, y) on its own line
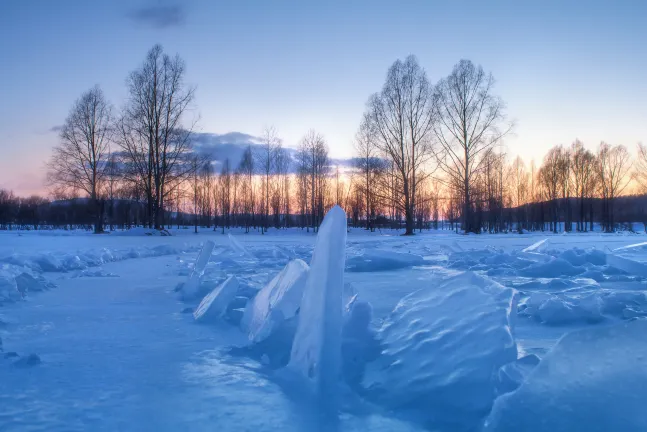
(593, 380)
(316, 350)
(277, 301)
(214, 306)
(441, 348)
(382, 260)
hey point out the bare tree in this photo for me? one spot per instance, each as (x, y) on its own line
(582, 177)
(640, 167)
(519, 179)
(265, 158)
(113, 175)
(152, 131)
(402, 118)
(369, 166)
(550, 178)
(468, 124)
(612, 166)
(246, 170)
(282, 169)
(314, 161)
(79, 161)
(225, 194)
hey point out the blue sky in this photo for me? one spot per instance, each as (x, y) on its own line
(565, 69)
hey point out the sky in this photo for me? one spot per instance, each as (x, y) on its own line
(565, 69)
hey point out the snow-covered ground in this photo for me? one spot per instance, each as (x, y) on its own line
(431, 333)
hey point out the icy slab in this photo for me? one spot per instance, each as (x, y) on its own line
(27, 283)
(592, 380)
(359, 342)
(535, 247)
(554, 268)
(239, 248)
(8, 288)
(275, 302)
(511, 376)
(316, 350)
(442, 346)
(631, 246)
(214, 305)
(585, 307)
(630, 266)
(382, 260)
(192, 285)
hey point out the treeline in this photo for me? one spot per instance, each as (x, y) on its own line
(426, 156)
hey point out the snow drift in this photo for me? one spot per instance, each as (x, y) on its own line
(593, 379)
(441, 347)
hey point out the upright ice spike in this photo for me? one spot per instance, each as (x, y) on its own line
(316, 351)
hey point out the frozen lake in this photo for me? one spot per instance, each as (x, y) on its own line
(120, 350)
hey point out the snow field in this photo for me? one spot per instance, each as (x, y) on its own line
(439, 331)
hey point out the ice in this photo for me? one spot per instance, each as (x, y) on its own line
(316, 350)
(237, 247)
(511, 376)
(441, 346)
(554, 268)
(535, 246)
(359, 343)
(8, 287)
(192, 286)
(27, 283)
(627, 265)
(382, 260)
(594, 379)
(630, 247)
(550, 309)
(277, 301)
(214, 305)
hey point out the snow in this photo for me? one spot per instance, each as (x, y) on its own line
(593, 379)
(96, 338)
(440, 347)
(278, 301)
(316, 350)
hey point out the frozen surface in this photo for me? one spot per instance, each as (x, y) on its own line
(316, 350)
(593, 379)
(102, 342)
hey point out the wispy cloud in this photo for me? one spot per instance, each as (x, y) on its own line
(56, 129)
(159, 16)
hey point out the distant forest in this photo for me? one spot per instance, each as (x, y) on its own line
(427, 156)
